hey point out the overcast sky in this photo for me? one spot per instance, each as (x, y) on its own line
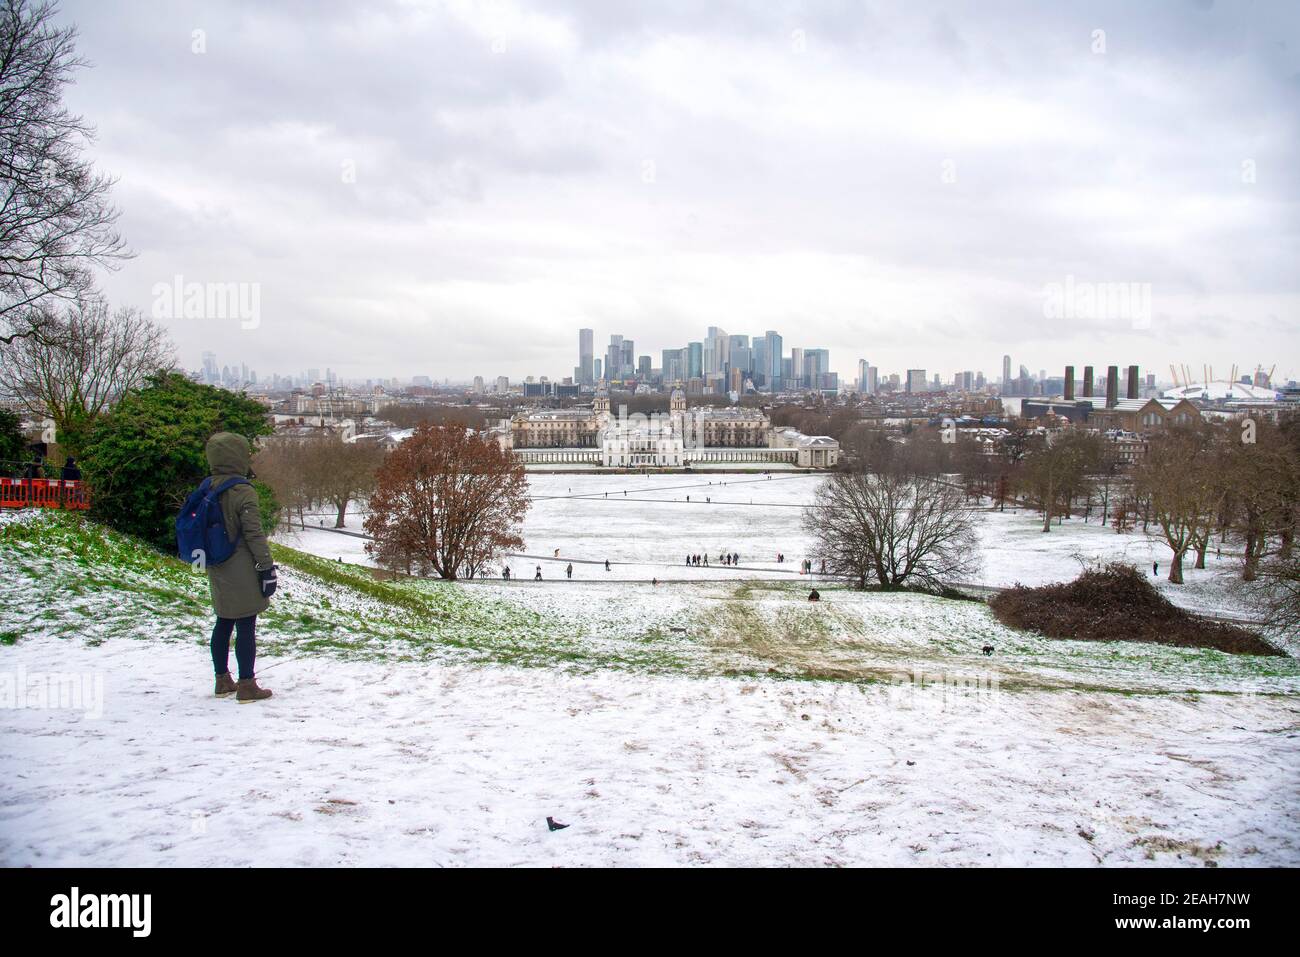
(453, 189)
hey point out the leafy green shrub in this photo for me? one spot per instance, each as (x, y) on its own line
(142, 459)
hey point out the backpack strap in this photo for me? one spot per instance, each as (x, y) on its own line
(227, 484)
(217, 493)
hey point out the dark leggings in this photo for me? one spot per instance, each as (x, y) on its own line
(245, 645)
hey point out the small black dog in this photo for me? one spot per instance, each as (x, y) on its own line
(988, 650)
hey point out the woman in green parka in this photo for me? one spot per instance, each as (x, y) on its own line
(242, 585)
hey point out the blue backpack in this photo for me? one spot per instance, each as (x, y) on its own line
(201, 527)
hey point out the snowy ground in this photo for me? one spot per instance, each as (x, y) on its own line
(646, 525)
(714, 722)
(413, 764)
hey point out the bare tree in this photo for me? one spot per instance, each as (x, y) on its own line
(893, 530)
(1056, 469)
(283, 464)
(1277, 589)
(56, 223)
(74, 376)
(447, 499)
(1179, 479)
(345, 471)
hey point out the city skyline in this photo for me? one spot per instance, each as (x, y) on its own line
(877, 182)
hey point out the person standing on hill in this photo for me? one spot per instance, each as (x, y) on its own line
(242, 585)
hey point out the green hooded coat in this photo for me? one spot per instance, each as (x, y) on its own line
(236, 588)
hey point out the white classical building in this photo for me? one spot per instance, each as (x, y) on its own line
(811, 451)
(679, 439)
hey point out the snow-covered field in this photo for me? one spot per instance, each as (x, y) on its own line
(645, 526)
(408, 764)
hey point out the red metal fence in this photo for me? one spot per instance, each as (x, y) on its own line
(42, 493)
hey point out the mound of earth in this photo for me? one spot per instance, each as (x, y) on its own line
(1117, 603)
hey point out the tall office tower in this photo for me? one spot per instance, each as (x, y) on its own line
(613, 357)
(739, 354)
(788, 378)
(503, 383)
(774, 347)
(627, 362)
(668, 365)
(643, 367)
(695, 360)
(816, 368)
(862, 375)
(597, 371)
(210, 373)
(1006, 372)
(798, 370)
(586, 357)
(916, 380)
(715, 349)
(313, 376)
(873, 381)
(478, 384)
(758, 356)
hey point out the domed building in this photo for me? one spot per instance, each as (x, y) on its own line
(1220, 390)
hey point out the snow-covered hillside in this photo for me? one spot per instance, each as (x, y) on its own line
(436, 723)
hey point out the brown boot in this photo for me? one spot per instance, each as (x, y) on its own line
(249, 691)
(225, 685)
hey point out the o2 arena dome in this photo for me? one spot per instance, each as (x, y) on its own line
(1219, 390)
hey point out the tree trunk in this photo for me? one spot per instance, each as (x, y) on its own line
(1250, 570)
(1176, 569)
(1201, 547)
(343, 508)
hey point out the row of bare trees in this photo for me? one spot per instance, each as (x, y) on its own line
(1239, 481)
(311, 473)
(446, 501)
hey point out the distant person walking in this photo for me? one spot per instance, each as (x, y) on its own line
(505, 573)
(243, 584)
(538, 577)
(607, 564)
(1155, 568)
(568, 570)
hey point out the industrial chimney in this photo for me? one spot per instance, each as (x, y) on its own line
(1112, 386)
(1069, 383)
(1087, 382)
(1133, 382)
